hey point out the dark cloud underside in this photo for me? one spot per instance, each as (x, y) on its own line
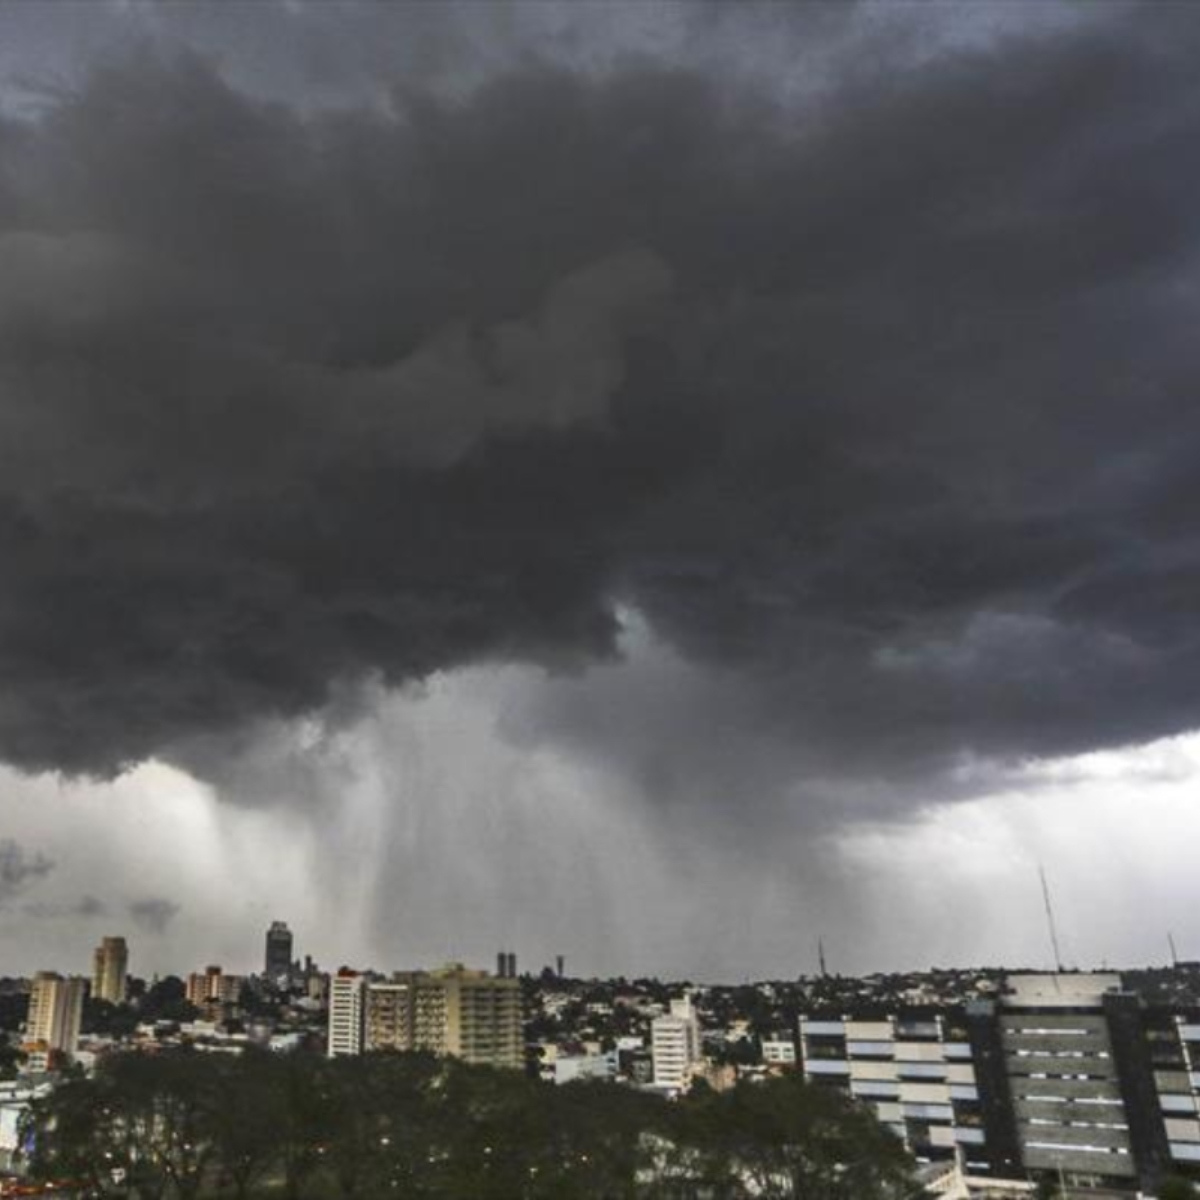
(878, 403)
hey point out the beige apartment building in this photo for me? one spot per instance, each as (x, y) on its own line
(213, 987)
(110, 963)
(450, 1011)
(55, 1015)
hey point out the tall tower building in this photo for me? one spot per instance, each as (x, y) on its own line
(347, 996)
(110, 963)
(55, 1014)
(278, 962)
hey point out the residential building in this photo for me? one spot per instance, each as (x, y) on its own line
(346, 1007)
(54, 1018)
(451, 1011)
(675, 1046)
(110, 964)
(779, 1050)
(213, 986)
(468, 1014)
(388, 1017)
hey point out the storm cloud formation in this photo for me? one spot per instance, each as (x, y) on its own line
(876, 402)
(19, 868)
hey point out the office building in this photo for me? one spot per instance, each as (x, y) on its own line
(54, 1018)
(110, 963)
(346, 1010)
(915, 1070)
(1066, 1075)
(1063, 1077)
(675, 1046)
(277, 964)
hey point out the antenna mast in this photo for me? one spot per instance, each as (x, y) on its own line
(1058, 964)
(1174, 955)
(821, 957)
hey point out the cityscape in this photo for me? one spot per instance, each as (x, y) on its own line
(998, 1083)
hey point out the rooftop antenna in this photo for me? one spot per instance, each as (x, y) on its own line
(821, 958)
(1058, 963)
(1174, 955)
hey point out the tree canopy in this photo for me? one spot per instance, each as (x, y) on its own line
(191, 1125)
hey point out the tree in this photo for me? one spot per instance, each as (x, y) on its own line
(1177, 1188)
(244, 1123)
(785, 1138)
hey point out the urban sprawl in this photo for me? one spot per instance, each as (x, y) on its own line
(998, 1083)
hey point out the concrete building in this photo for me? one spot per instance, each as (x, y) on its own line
(213, 986)
(347, 994)
(388, 1017)
(779, 1051)
(53, 1021)
(451, 1011)
(277, 961)
(1174, 1040)
(915, 1069)
(1063, 1077)
(675, 1046)
(110, 964)
(468, 1014)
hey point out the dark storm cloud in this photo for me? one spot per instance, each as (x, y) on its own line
(879, 403)
(19, 868)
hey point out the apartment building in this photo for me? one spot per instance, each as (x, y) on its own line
(110, 966)
(53, 1021)
(347, 997)
(450, 1011)
(675, 1046)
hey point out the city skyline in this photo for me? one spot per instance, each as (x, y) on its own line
(660, 484)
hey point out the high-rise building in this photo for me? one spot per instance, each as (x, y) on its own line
(387, 1023)
(110, 963)
(1069, 1076)
(347, 993)
(278, 960)
(55, 1015)
(452, 1011)
(1064, 1077)
(675, 1046)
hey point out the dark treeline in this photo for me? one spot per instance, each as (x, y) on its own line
(187, 1125)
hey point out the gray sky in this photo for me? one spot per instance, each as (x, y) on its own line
(653, 483)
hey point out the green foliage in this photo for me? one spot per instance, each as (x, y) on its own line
(166, 1000)
(186, 1126)
(1177, 1188)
